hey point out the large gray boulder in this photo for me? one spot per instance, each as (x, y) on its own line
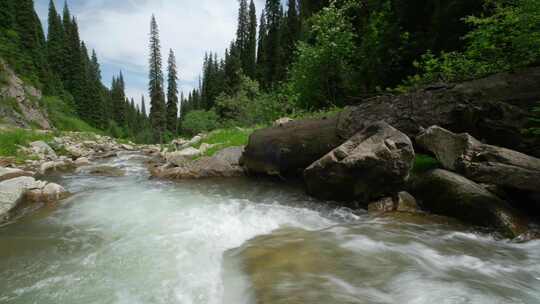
(12, 191)
(481, 162)
(446, 193)
(9, 173)
(224, 164)
(376, 162)
(46, 193)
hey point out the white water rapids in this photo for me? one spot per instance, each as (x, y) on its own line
(134, 240)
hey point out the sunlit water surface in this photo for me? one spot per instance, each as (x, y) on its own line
(134, 240)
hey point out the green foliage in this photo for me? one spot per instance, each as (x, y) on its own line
(64, 117)
(115, 130)
(507, 39)
(248, 106)
(200, 121)
(423, 163)
(12, 140)
(320, 76)
(225, 138)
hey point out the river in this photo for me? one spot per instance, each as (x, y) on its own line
(135, 240)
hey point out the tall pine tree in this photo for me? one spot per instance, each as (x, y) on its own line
(158, 116)
(172, 95)
(251, 48)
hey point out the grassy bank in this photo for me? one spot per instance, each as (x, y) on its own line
(11, 140)
(225, 138)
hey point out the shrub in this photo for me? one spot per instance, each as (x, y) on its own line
(322, 71)
(249, 106)
(200, 121)
(507, 39)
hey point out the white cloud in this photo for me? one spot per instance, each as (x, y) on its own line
(118, 31)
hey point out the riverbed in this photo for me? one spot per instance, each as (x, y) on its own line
(132, 239)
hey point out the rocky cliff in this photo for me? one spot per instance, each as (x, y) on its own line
(20, 103)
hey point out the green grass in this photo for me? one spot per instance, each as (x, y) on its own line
(10, 140)
(423, 163)
(63, 117)
(225, 138)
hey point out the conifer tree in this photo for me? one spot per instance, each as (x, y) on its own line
(261, 50)
(242, 34)
(251, 49)
(143, 107)
(55, 41)
(172, 95)
(291, 32)
(272, 44)
(7, 14)
(157, 96)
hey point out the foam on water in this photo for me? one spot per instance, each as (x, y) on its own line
(134, 240)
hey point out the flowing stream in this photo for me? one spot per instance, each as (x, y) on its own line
(135, 240)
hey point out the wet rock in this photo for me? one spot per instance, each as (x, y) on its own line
(57, 166)
(12, 192)
(195, 140)
(9, 173)
(104, 155)
(402, 202)
(224, 164)
(127, 147)
(374, 163)
(481, 162)
(446, 193)
(103, 170)
(49, 193)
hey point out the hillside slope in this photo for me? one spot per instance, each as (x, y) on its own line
(20, 104)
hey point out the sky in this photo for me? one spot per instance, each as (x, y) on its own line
(118, 31)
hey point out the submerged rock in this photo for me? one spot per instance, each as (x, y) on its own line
(374, 163)
(9, 173)
(446, 193)
(481, 162)
(102, 170)
(402, 202)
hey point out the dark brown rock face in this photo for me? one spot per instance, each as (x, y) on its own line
(373, 163)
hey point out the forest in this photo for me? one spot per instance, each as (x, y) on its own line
(295, 60)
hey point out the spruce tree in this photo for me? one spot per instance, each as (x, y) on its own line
(272, 43)
(157, 96)
(143, 107)
(251, 48)
(261, 50)
(55, 41)
(242, 34)
(172, 95)
(7, 14)
(291, 32)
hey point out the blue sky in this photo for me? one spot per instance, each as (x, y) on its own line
(118, 31)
